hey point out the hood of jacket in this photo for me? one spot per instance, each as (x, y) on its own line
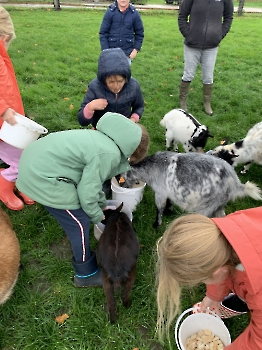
(125, 133)
(113, 62)
(243, 230)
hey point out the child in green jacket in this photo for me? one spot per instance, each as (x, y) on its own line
(64, 171)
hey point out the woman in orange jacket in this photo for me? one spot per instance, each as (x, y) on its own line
(225, 254)
(10, 103)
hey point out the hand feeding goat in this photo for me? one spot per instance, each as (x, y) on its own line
(9, 257)
(118, 249)
(195, 182)
(245, 151)
(182, 127)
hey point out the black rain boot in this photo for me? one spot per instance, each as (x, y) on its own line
(87, 273)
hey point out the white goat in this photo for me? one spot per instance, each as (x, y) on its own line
(9, 257)
(195, 182)
(182, 127)
(245, 151)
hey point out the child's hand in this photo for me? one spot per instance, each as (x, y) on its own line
(210, 304)
(133, 54)
(97, 105)
(9, 116)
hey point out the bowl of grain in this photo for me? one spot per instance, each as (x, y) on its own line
(201, 331)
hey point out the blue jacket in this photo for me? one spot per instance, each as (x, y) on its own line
(129, 100)
(204, 23)
(121, 29)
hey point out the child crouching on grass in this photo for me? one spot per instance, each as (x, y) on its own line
(65, 171)
(225, 254)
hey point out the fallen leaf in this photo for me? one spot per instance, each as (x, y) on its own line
(71, 106)
(61, 319)
(66, 98)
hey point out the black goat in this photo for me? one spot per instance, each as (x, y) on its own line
(118, 249)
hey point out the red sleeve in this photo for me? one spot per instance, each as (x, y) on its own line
(251, 338)
(3, 82)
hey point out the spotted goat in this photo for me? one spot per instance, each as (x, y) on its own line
(182, 127)
(194, 182)
(245, 151)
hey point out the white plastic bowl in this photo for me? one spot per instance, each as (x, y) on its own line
(22, 133)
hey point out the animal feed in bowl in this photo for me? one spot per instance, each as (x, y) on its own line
(204, 340)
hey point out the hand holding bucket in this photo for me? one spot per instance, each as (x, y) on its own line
(22, 133)
(198, 322)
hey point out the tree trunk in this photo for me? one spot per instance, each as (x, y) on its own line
(56, 5)
(240, 7)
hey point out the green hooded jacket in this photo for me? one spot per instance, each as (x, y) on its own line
(66, 169)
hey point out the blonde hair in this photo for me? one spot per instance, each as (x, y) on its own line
(142, 149)
(6, 24)
(190, 251)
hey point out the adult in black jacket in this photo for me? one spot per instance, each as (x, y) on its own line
(114, 90)
(203, 23)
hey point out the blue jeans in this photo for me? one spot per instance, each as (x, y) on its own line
(207, 60)
(76, 225)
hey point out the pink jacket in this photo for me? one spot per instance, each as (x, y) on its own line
(9, 91)
(243, 229)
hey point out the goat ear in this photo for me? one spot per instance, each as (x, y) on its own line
(120, 207)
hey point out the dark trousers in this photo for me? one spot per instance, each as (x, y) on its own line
(76, 224)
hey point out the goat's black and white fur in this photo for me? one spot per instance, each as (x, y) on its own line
(245, 151)
(195, 182)
(182, 127)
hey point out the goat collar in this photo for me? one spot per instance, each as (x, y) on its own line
(196, 123)
(190, 116)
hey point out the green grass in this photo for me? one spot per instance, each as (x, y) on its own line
(254, 3)
(55, 56)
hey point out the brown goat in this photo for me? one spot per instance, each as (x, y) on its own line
(118, 249)
(9, 257)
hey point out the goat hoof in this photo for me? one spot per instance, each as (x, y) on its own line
(127, 303)
(156, 225)
(168, 211)
(112, 318)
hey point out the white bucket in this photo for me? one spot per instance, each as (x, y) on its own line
(130, 196)
(111, 204)
(199, 322)
(22, 133)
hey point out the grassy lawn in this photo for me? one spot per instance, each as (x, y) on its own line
(55, 56)
(254, 3)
